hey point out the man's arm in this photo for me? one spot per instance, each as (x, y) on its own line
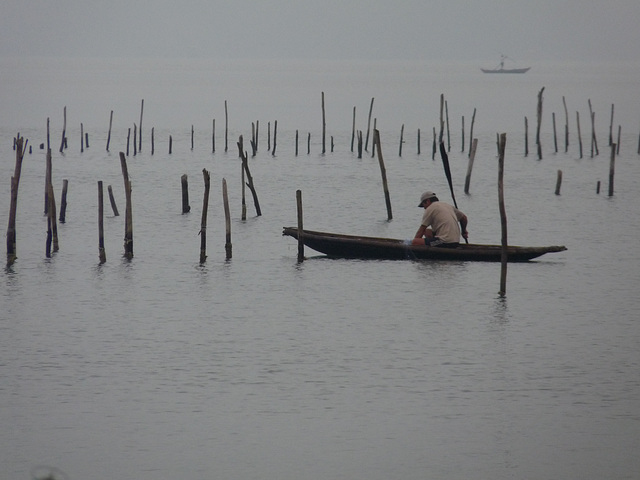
(463, 226)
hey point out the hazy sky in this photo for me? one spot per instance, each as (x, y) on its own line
(529, 31)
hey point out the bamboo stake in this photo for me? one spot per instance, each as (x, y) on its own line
(462, 134)
(472, 156)
(433, 145)
(503, 216)
(113, 202)
(418, 147)
(227, 219)
(192, 133)
(128, 139)
(244, 203)
(203, 222)
(63, 201)
(21, 145)
(128, 231)
(135, 139)
(308, 143)
(101, 251)
(618, 142)
(170, 144)
(296, 143)
(153, 144)
(383, 172)
(401, 140)
(300, 226)
(360, 144)
(440, 136)
(81, 137)
(47, 181)
(446, 109)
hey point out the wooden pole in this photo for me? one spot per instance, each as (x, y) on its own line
(63, 201)
(618, 142)
(566, 125)
(275, 135)
(186, 208)
(81, 137)
(612, 169)
(113, 202)
(366, 143)
(308, 143)
(135, 139)
(526, 137)
(594, 141)
(434, 145)
(472, 156)
(324, 127)
(558, 182)
(109, 134)
(64, 131)
(360, 144)
(353, 128)
(170, 144)
(462, 134)
(296, 143)
(226, 127)
(213, 137)
(300, 226)
(383, 172)
(539, 115)
(47, 181)
(555, 138)
(101, 252)
(192, 133)
(227, 220)
(245, 166)
(203, 222)
(128, 139)
(611, 127)
(473, 121)
(140, 133)
(503, 216)
(153, 144)
(418, 146)
(244, 203)
(401, 140)
(441, 135)
(446, 110)
(579, 134)
(21, 145)
(128, 230)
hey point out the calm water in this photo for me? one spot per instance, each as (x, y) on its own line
(263, 368)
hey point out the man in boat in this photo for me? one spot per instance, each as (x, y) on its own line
(442, 224)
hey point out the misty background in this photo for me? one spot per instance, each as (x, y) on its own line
(527, 31)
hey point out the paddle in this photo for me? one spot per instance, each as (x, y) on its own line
(447, 172)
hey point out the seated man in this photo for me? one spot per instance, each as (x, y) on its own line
(442, 224)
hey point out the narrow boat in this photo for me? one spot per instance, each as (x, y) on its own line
(353, 246)
(500, 68)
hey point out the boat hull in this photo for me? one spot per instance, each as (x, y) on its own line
(506, 70)
(352, 246)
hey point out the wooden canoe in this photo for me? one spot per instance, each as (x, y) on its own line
(353, 246)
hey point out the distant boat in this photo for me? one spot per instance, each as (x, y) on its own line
(500, 68)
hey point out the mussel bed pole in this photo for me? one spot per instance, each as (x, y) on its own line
(566, 125)
(226, 127)
(227, 220)
(300, 226)
(473, 121)
(526, 137)
(324, 127)
(203, 223)
(366, 143)
(558, 182)
(383, 172)
(353, 128)
(128, 231)
(579, 134)
(64, 130)
(101, 252)
(140, 133)
(21, 146)
(503, 215)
